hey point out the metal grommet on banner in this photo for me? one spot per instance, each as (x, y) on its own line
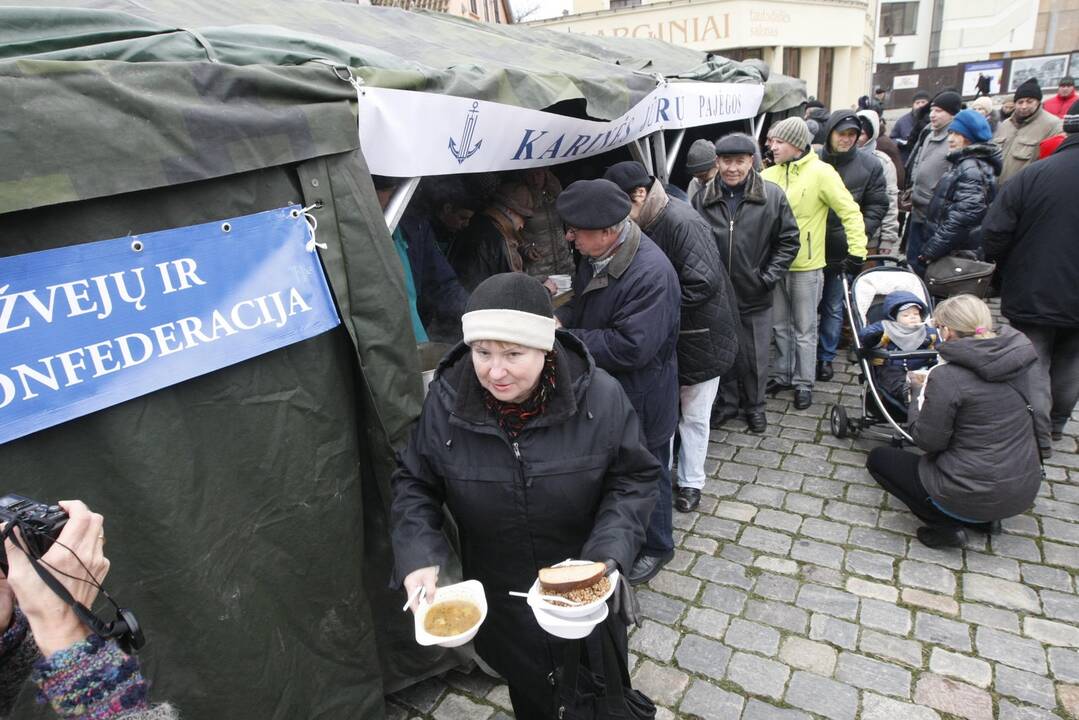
(226, 227)
(312, 225)
(137, 245)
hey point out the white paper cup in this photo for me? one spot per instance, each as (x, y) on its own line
(470, 590)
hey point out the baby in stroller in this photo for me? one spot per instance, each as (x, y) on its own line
(904, 329)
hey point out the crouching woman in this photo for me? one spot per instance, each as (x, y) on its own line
(538, 455)
(974, 423)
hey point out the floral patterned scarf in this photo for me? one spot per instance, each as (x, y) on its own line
(512, 417)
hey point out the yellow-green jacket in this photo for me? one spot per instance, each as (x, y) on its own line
(813, 187)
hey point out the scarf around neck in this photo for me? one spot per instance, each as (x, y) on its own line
(512, 417)
(906, 338)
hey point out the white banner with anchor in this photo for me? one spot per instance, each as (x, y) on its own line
(411, 134)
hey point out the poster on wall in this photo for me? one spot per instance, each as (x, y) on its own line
(1047, 69)
(904, 82)
(982, 78)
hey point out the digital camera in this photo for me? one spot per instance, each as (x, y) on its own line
(40, 524)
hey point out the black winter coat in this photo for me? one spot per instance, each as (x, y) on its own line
(628, 319)
(758, 244)
(1030, 231)
(981, 460)
(954, 218)
(577, 483)
(707, 340)
(864, 178)
(478, 252)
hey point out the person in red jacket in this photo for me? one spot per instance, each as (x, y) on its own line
(1049, 145)
(1059, 103)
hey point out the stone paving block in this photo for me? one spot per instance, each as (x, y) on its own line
(859, 495)
(654, 640)
(717, 528)
(833, 700)
(780, 615)
(1025, 686)
(994, 591)
(759, 710)
(869, 674)
(808, 655)
(949, 557)
(875, 565)
(951, 696)
(778, 520)
(723, 571)
(758, 457)
(824, 488)
(776, 587)
(1065, 664)
(684, 521)
(736, 472)
(682, 559)
(1046, 577)
(940, 631)
(674, 584)
(707, 622)
(761, 496)
(867, 589)
(770, 542)
(1051, 632)
(837, 632)
(968, 669)
(742, 512)
(829, 601)
(811, 450)
(885, 616)
(1061, 606)
(708, 702)
(1011, 546)
(698, 544)
(825, 530)
(758, 675)
(817, 553)
(719, 451)
(1011, 650)
(908, 652)
(878, 540)
(803, 504)
(458, 707)
(664, 685)
(878, 707)
(993, 617)
(752, 636)
(900, 521)
(722, 598)
(1012, 711)
(500, 696)
(821, 575)
(780, 445)
(422, 696)
(927, 577)
(929, 601)
(1067, 532)
(853, 514)
(701, 655)
(1044, 507)
(718, 488)
(774, 564)
(660, 607)
(1069, 699)
(737, 554)
(1004, 568)
(798, 434)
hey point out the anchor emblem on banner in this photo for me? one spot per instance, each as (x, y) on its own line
(463, 151)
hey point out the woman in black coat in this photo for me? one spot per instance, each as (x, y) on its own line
(974, 423)
(538, 456)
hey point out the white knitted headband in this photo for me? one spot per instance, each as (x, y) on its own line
(511, 326)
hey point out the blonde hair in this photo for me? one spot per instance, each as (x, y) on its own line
(966, 316)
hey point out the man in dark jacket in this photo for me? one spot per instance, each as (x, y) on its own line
(864, 178)
(707, 341)
(492, 243)
(757, 238)
(1030, 232)
(625, 308)
(904, 126)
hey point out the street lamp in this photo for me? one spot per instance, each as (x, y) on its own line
(889, 49)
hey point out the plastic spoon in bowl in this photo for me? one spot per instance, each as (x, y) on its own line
(421, 592)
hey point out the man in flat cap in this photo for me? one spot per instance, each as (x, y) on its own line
(492, 243)
(757, 237)
(1020, 135)
(707, 342)
(625, 309)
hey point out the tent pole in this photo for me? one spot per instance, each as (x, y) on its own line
(659, 150)
(758, 125)
(399, 202)
(676, 145)
(638, 153)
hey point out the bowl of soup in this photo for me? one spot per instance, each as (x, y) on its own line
(454, 617)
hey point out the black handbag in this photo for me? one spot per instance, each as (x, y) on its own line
(956, 275)
(583, 694)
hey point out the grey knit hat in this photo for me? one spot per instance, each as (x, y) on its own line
(701, 156)
(792, 130)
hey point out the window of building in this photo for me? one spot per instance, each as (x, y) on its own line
(615, 4)
(473, 6)
(792, 61)
(898, 18)
(743, 53)
(824, 75)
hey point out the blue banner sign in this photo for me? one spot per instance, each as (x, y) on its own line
(89, 326)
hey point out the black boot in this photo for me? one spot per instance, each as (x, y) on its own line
(686, 499)
(944, 536)
(825, 371)
(757, 422)
(721, 415)
(774, 386)
(803, 398)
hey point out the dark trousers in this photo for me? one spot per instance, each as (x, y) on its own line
(897, 472)
(1054, 382)
(915, 242)
(745, 386)
(659, 538)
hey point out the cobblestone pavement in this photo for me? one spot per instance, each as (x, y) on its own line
(798, 591)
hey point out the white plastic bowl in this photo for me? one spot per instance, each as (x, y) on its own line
(537, 601)
(471, 590)
(570, 628)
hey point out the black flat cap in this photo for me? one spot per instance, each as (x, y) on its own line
(593, 204)
(735, 144)
(629, 175)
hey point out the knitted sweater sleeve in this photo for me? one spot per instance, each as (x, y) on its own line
(17, 655)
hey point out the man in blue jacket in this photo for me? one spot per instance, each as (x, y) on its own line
(625, 308)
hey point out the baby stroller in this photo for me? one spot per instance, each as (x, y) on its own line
(863, 299)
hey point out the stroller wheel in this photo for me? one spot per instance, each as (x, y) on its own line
(838, 419)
